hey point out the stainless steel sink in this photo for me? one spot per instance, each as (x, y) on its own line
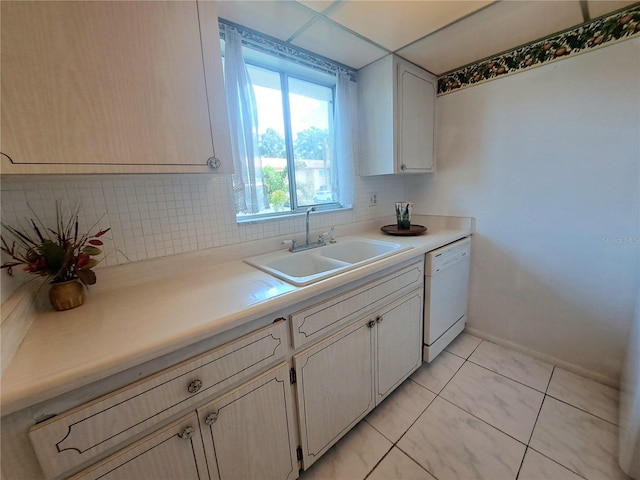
(304, 268)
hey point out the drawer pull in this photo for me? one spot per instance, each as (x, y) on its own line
(211, 418)
(187, 433)
(195, 386)
(379, 319)
(371, 323)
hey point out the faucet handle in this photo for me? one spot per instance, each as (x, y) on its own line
(322, 237)
(293, 243)
(333, 235)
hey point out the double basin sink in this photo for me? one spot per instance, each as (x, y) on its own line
(309, 266)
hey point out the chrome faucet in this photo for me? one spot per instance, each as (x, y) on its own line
(309, 210)
(308, 245)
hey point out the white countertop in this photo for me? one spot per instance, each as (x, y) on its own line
(120, 328)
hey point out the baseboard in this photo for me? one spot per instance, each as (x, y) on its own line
(598, 377)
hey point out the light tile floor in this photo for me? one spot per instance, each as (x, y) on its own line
(482, 411)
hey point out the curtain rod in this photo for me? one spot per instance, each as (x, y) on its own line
(271, 46)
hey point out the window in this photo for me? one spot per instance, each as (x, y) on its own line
(295, 131)
(288, 155)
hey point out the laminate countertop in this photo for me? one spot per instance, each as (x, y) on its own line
(123, 326)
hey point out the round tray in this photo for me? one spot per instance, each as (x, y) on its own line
(413, 230)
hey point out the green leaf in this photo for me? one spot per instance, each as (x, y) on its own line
(89, 250)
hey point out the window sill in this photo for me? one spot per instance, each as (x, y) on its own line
(254, 220)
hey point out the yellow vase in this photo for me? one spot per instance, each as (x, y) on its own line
(66, 295)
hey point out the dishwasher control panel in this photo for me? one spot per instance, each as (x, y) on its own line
(444, 257)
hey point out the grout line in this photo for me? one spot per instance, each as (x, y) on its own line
(416, 462)
(468, 356)
(484, 421)
(555, 461)
(553, 370)
(584, 411)
(537, 417)
(505, 376)
(381, 459)
(522, 462)
(395, 444)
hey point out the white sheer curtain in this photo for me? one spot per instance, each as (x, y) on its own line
(344, 125)
(248, 187)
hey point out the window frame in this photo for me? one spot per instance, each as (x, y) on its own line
(260, 61)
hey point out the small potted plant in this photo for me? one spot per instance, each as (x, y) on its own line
(61, 254)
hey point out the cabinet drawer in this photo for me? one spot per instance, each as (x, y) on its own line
(315, 322)
(72, 438)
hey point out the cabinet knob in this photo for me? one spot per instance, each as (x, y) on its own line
(213, 162)
(211, 418)
(194, 386)
(403, 167)
(379, 319)
(187, 433)
(371, 323)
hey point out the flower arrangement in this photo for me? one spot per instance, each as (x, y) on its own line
(59, 253)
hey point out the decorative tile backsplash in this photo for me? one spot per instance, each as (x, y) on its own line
(594, 34)
(154, 216)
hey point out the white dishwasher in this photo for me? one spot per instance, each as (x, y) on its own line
(446, 296)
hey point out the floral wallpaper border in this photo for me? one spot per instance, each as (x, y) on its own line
(594, 34)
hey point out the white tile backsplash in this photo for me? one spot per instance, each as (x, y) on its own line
(158, 215)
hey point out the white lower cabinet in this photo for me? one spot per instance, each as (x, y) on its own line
(247, 433)
(399, 349)
(250, 432)
(173, 452)
(335, 380)
(342, 378)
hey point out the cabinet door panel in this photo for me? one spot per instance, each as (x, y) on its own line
(335, 387)
(250, 433)
(91, 85)
(167, 454)
(398, 342)
(416, 112)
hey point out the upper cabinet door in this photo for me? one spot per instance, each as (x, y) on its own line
(112, 87)
(416, 119)
(396, 122)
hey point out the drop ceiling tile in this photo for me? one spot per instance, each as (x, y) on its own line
(317, 5)
(497, 28)
(394, 24)
(279, 19)
(329, 40)
(599, 8)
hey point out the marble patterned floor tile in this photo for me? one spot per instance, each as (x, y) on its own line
(503, 403)
(539, 467)
(463, 345)
(397, 466)
(436, 374)
(578, 440)
(399, 410)
(586, 394)
(517, 366)
(452, 444)
(353, 457)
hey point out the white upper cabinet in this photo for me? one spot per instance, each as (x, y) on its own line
(396, 103)
(112, 87)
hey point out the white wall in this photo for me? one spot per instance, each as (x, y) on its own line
(630, 402)
(548, 162)
(157, 215)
